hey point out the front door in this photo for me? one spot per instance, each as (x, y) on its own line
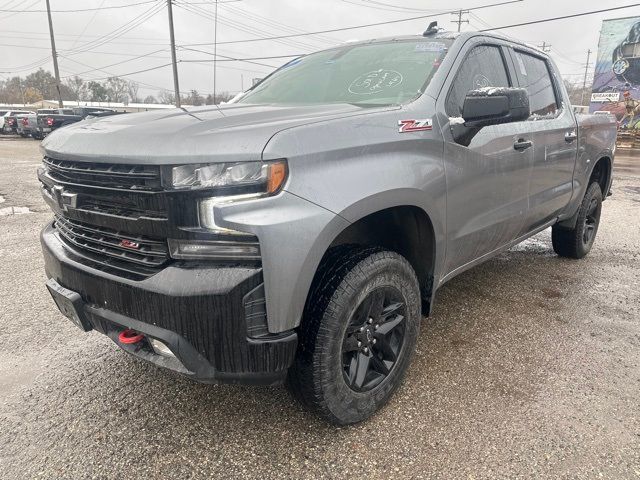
(488, 180)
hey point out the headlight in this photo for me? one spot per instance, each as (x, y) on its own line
(263, 177)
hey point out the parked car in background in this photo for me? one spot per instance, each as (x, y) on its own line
(47, 123)
(41, 128)
(8, 122)
(28, 124)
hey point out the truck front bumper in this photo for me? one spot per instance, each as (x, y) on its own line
(210, 317)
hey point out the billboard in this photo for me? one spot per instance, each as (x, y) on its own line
(616, 82)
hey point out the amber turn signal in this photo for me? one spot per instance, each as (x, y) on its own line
(277, 176)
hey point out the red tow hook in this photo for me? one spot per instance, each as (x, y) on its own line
(129, 336)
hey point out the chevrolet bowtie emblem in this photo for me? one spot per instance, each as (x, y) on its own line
(64, 199)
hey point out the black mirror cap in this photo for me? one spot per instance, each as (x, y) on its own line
(494, 106)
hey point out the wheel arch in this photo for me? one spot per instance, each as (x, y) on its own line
(601, 172)
(403, 227)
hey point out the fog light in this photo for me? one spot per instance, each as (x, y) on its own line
(161, 348)
(215, 250)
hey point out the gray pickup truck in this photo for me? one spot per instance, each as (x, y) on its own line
(301, 232)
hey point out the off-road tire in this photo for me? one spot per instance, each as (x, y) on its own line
(576, 242)
(347, 276)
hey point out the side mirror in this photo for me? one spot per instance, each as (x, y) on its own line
(495, 105)
(490, 106)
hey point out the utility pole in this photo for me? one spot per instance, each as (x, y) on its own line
(176, 87)
(545, 47)
(215, 51)
(460, 21)
(55, 56)
(584, 82)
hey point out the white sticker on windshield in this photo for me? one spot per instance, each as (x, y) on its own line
(429, 47)
(374, 82)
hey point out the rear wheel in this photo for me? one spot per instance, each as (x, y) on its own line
(358, 334)
(576, 242)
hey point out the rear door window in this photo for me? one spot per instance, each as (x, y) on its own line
(533, 74)
(483, 67)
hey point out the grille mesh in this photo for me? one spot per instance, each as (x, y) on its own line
(134, 254)
(105, 175)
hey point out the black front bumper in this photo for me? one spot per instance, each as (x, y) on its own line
(200, 311)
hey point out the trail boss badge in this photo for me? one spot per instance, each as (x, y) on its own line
(406, 126)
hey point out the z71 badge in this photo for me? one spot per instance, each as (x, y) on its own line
(405, 126)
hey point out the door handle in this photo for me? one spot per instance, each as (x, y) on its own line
(522, 144)
(570, 136)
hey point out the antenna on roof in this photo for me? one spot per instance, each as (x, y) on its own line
(432, 29)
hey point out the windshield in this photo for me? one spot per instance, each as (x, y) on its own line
(373, 74)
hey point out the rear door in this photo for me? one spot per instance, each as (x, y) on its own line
(553, 128)
(488, 180)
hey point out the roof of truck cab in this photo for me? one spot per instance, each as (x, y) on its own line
(442, 35)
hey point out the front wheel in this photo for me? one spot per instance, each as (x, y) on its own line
(358, 334)
(576, 242)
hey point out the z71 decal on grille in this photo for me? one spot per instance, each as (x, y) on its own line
(405, 126)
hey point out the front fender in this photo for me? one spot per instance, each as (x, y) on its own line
(294, 235)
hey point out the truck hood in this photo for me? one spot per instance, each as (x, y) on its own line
(235, 132)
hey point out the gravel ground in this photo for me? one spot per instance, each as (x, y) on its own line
(530, 367)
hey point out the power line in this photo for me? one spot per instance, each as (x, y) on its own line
(112, 7)
(275, 24)
(16, 13)
(86, 25)
(29, 66)
(127, 27)
(533, 22)
(248, 59)
(146, 55)
(113, 75)
(136, 72)
(386, 6)
(241, 27)
(215, 55)
(331, 30)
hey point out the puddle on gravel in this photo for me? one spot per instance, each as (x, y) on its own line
(14, 211)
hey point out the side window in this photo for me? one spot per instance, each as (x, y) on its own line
(533, 73)
(482, 67)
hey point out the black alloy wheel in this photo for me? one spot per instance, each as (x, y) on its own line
(591, 221)
(373, 339)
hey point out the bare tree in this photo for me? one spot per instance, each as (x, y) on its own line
(223, 97)
(150, 99)
(166, 97)
(133, 91)
(117, 89)
(77, 86)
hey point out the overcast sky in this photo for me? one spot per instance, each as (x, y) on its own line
(24, 38)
